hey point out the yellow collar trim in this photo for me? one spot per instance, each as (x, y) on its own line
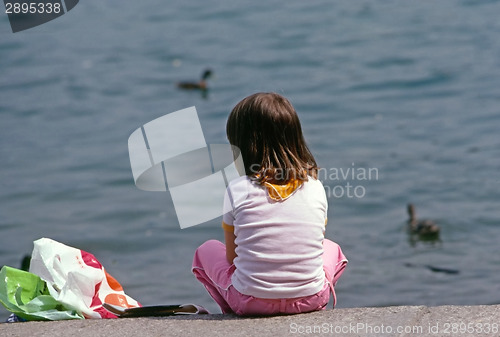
(282, 192)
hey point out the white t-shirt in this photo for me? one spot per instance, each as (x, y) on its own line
(279, 243)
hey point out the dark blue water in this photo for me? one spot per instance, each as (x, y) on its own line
(409, 91)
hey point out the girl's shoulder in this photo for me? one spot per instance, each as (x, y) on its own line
(240, 181)
(314, 188)
(313, 182)
(241, 185)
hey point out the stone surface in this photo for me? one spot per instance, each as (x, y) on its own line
(386, 321)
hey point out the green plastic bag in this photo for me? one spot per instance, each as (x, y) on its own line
(27, 296)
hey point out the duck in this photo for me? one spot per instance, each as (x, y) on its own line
(423, 228)
(201, 85)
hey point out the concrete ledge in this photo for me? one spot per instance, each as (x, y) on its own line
(483, 320)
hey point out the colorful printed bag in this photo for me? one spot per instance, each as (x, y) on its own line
(77, 280)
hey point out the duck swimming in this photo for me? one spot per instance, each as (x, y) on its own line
(423, 228)
(201, 85)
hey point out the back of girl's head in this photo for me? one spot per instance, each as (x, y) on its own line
(266, 129)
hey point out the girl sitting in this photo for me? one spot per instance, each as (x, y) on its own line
(275, 259)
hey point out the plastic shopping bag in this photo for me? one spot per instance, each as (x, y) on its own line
(77, 280)
(27, 296)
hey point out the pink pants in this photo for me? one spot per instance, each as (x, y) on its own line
(212, 269)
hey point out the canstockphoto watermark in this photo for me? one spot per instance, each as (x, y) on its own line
(354, 328)
(347, 182)
(170, 154)
(26, 14)
(463, 328)
(339, 182)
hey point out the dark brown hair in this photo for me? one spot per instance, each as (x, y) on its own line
(266, 129)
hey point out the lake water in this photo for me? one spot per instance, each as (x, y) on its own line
(408, 91)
